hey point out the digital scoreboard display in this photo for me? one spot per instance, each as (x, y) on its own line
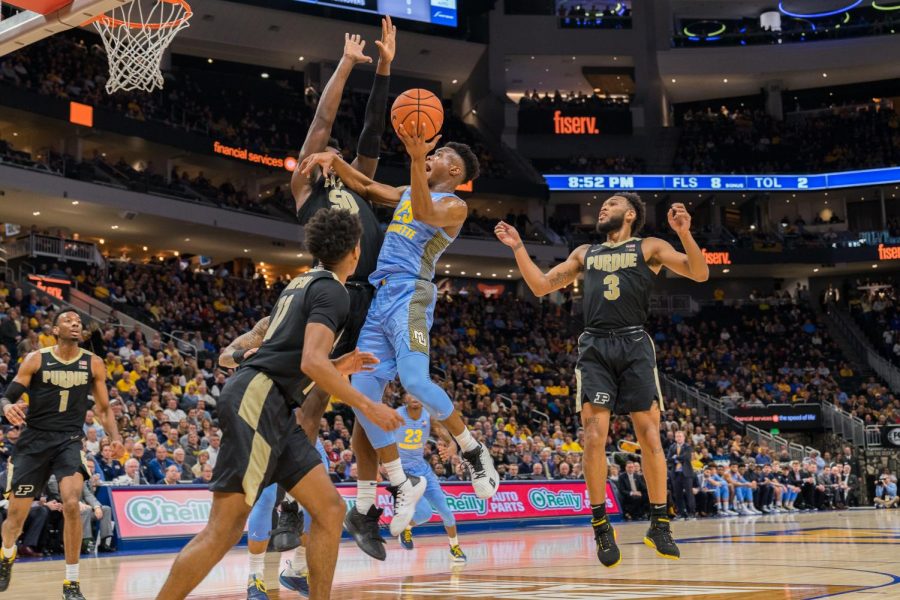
(435, 12)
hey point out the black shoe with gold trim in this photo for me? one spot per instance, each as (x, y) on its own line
(659, 537)
(71, 591)
(6, 565)
(605, 536)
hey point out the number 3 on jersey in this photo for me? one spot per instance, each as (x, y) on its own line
(612, 287)
(413, 436)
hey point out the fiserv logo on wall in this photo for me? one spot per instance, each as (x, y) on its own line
(892, 436)
(150, 511)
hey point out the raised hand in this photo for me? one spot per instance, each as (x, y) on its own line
(508, 235)
(356, 362)
(323, 160)
(387, 46)
(384, 416)
(353, 49)
(414, 141)
(679, 219)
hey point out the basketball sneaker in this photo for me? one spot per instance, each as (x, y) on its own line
(6, 565)
(480, 465)
(659, 537)
(457, 555)
(294, 579)
(365, 531)
(406, 539)
(71, 591)
(256, 588)
(405, 499)
(286, 535)
(605, 536)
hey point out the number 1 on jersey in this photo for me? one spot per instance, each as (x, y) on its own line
(612, 287)
(63, 400)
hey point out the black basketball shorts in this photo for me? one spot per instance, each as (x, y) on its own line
(261, 442)
(40, 454)
(360, 298)
(618, 372)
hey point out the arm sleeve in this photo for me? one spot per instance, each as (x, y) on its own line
(369, 143)
(329, 305)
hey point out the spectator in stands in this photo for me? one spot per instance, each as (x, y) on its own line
(886, 492)
(92, 511)
(133, 474)
(205, 475)
(160, 464)
(172, 476)
(848, 488)
(110, 467)
(91, 423)
(681, 474)
(633, 493)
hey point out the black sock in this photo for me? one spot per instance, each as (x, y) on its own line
(598, 515)
(659, 512)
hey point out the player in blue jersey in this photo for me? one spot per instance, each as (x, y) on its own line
(411, 439)
(427, 219)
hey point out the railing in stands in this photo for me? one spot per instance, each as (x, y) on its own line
(54, 247)
(183, 345)
(873, 436)
(842, 423)
(709, 407)
(888, 372)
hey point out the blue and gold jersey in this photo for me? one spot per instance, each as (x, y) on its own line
(411, 439)
(411, 248)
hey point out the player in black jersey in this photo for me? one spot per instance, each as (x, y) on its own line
(58, 381)
(319, 191)
(616, 370)
(261, 443)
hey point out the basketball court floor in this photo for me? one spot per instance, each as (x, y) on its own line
(850, 554)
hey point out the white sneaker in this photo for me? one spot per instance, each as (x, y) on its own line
(405, 499)
(744, 512)
(485, 478)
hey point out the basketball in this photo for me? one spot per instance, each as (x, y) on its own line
(418, 106)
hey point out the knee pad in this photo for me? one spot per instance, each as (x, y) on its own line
(259, 524)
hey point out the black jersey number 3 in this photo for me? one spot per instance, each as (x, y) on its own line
(612, 287)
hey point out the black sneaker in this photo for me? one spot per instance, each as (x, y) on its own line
(659, 537)
(286, 535)
(480, 464)
(71, 591)
(607, 550)
(365, 531)
(6, 565)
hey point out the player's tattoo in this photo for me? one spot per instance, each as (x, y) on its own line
(251, 339)
(562, 278)
(591, 420)
(656, 450)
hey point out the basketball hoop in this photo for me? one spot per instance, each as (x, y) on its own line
(136, 37)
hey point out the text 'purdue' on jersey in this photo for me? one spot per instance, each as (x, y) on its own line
(58, 394)
(314, 297)
(617, 285)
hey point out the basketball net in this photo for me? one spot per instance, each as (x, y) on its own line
(135, 36)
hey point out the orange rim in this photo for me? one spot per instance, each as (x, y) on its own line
(113, 22)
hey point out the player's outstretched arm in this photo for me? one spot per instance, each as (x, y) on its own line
(14, 412)
(539, 282)
(691, 263)
(318, 340)
(374, 192)
(326, 111)
(449, 212)
(245, 345)
(101, 399)
(369, 145)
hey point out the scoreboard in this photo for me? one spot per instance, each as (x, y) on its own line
(723, 183)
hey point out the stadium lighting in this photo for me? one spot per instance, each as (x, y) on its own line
(878, 6)
(831, 13)
(816, 270)
(726, 270)
(36, 213)
(74, 202)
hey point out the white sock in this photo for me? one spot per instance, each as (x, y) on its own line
(465, 440)
(365, 495)
(454, 541)
(72, 572)
(299, 562)
(8, 552)
(258, 564)
(395, 472)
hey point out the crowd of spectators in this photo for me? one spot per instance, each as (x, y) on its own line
(534, 100)
(875, 306)
(507, 363)
(575, 13)
(751, 141)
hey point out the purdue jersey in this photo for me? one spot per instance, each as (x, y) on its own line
(58, 394)
(329, 192)
(617, 286)
(314, 297)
